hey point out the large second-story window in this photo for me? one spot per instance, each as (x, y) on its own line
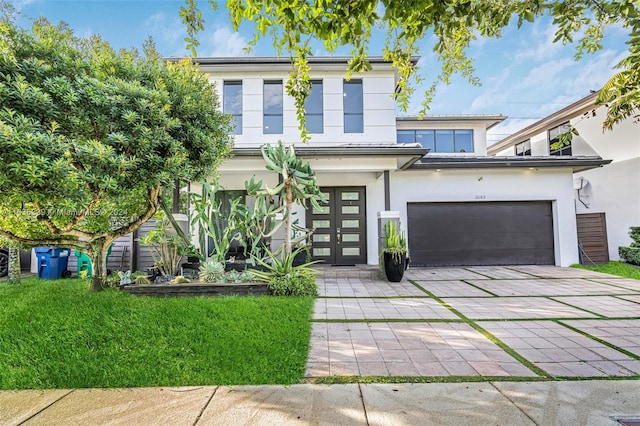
(313, 107)
(272, 107)
(353, 106)
(439, 140)
(232, 103)
(523, 149)
(555, 139)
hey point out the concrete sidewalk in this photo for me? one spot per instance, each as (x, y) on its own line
(486, 403)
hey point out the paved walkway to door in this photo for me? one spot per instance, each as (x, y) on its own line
(516, 321)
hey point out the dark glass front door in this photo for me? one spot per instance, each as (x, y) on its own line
(340, 236)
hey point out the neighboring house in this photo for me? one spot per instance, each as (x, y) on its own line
(607, 199)
(459, 206)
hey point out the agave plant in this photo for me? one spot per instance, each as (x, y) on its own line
(211, 272)
(282, 267)
(233, 276)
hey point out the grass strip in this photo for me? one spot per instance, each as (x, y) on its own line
(372, 297)
(388, 320)
(599, 340)
(531, 366)
(479, 288)
(56, 334)
(574, 306)
(620, 269)
(335, 380)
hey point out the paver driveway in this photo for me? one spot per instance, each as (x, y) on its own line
(518, 321)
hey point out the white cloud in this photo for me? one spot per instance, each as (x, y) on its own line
(20, 4)
(539, 46)
(168, 31)
(595, 70)
(223, 42)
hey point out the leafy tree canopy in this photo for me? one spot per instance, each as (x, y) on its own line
(90, 136)
(294, 24)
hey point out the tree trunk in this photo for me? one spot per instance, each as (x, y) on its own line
(98, 254)
(14, 265)
(287, 217)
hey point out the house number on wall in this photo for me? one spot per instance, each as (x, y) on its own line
(481, 197)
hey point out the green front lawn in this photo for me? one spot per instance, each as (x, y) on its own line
(614, 268)
(56, 334)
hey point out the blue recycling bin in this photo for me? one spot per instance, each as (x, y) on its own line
(52, 262)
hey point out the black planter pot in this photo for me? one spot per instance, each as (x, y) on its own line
(394, 266)
(300, 258)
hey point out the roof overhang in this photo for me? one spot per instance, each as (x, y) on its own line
(339, 158)
(488, 120)
(283, 64)
(576, 164)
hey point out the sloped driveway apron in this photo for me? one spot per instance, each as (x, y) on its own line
(520, 321)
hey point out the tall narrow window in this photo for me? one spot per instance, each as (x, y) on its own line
(232, 103)
(272, 107)
(313, 106)
(523, 149)
(556, 146)
(353, 107)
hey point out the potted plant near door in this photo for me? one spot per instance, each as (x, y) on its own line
(394, 254)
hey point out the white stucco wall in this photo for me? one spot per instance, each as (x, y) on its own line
(378, 114)
(615, 191)
(495, 185)
(452, 186)
(612, 189)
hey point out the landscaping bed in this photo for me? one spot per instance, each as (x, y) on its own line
(198, 289)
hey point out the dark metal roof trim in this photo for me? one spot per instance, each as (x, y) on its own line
(577, 164)
(265, 60)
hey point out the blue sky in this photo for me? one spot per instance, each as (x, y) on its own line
(524, 75)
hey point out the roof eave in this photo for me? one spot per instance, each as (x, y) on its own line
(576, 164)
(407, 156)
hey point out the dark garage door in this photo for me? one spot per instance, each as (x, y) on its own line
(489, 233)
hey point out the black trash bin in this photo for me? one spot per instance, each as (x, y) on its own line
(52, 262)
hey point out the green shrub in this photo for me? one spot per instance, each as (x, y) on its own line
(301, 285)
(632, 254)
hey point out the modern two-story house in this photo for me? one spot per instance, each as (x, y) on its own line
(458, 205)
(607, 199)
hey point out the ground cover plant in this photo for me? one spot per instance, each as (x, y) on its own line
(620, 269)
(55, 335)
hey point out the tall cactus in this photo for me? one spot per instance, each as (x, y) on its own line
(299, 183)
